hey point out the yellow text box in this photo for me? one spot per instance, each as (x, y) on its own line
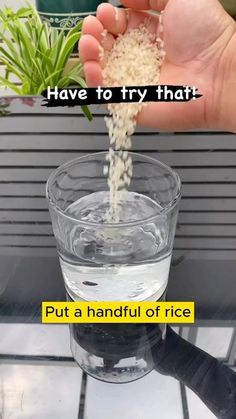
(118, 312)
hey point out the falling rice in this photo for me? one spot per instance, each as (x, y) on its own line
(135, 60)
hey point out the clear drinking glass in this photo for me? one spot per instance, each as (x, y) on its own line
(125, 261)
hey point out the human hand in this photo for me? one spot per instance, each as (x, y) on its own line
(200, 41)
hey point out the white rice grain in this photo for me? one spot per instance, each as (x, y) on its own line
(135, 60)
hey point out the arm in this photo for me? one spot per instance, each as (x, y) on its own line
(211, 380)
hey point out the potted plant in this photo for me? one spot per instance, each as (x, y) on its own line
(36, 54)
(63, 14)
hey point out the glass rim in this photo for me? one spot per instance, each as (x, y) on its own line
(165, 210)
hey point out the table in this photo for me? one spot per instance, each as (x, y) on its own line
(38, 376)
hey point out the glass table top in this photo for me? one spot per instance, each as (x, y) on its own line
(40, 379)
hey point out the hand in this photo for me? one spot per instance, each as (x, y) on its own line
(200, 42)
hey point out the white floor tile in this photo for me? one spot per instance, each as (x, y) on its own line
(197, 408)
(214, 340)
(35, 339)
(39, 392)
(154, 396)
(176, 329)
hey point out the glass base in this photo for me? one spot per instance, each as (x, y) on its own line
(107, 370)
(116, 353)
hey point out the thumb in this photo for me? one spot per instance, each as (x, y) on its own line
(158, 5)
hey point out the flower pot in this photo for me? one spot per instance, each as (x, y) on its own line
(65, 14)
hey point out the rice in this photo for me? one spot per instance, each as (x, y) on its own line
(135, 60)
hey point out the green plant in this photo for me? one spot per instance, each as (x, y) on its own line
(37, 54)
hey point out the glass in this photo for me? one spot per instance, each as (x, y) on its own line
(118, 353)
(125, 261)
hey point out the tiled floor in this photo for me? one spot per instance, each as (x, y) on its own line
(44, 391)
(39, 392)
(214, 340)
(153, 397)
(35, 339)
(196, 408)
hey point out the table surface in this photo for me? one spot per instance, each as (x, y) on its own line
(38, 376)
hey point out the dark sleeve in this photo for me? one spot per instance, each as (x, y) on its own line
(211, 380)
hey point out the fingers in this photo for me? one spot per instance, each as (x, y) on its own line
(89, 49)
(93, 38)
(137, 18)
(93, 74)
(145, 4)
(102, 30)
(113, 19)
(108, 41)
(90, 55)
(92, 26)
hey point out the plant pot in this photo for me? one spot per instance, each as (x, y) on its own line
(230, 6)
(65, 14)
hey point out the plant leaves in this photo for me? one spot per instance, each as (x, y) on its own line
(24, 12)
(12, 86)
(37, 54)
(78, 80)
(87, 112)
(76, 29)
(66, 51)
